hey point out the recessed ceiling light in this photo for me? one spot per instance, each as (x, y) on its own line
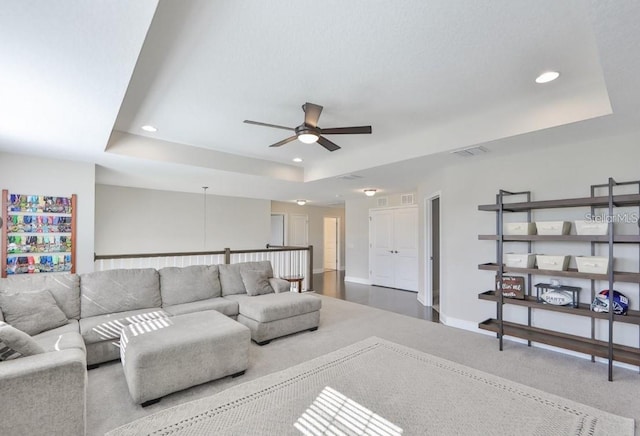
(547, 76)
(297, 159)
(149, 128)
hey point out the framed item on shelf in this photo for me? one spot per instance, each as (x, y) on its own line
(512, 287)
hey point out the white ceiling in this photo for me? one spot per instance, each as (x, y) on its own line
(79, 79)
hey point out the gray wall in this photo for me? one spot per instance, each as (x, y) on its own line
(37, 176)
(134, 220)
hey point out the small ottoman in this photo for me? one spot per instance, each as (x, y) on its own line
(166, 355)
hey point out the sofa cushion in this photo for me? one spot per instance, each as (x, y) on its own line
(256, 282)
(231, 279)
(222, 305)
(191, 283)
(63, 341)
(65, 289)
(32, 312)
(107, 327)
(272, 307)
(15, 343)
(119, 290)
(72, 326)
(280, 285)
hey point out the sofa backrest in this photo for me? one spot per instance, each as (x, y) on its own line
(191, 283)
(65, 289)
(119, 290)
(230, 277)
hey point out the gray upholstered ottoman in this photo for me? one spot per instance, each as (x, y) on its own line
(170, 354)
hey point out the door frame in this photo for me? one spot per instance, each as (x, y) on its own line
(428, 237)
(338, 259)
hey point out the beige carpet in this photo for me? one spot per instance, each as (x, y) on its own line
(343, 323)
(377, 387)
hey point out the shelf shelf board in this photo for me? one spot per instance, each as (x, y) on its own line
(602, 201)
(39, 253)
(632, 317)
(23, 213)
(580, 344)
(618, 276)
(39, 234)
(625, 239)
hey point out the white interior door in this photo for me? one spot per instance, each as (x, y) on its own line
(299, 230)
(277, 230)
(330, 243)
(405, 232)
(393, 248)
(381, 248)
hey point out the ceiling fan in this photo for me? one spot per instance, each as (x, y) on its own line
(309, 132)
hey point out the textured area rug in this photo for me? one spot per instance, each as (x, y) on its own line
(382, 388)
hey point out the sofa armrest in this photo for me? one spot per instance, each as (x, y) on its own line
(280, 285)
(44, 394)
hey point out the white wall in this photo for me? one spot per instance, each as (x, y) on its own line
(37, 176)
(316, 216)
(134, 220)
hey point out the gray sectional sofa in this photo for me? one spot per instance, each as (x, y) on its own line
(75, 321)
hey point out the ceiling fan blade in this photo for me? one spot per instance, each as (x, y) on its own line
(346, 130)
(328, 144)
(284, 141)
(311, 114)
(257, 123)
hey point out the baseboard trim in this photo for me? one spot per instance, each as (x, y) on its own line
(357, 280)
(473, 327)
(421, 299)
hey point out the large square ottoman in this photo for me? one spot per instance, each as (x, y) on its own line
(166, 355)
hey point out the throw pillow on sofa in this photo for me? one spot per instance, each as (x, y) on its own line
(32, 312)
(15, 343)
(256, 282)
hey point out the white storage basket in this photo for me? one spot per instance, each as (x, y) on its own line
(592, 264)
(553, 263)
(553, 227)
(514, 260)
(584, 227)
(519, 228)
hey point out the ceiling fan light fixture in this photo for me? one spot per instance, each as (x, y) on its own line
(308, 138)
(301, 202)
(370, 192)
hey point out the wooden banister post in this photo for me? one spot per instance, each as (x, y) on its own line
(227, 256)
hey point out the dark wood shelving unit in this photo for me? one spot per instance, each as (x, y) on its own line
(619, 276)
(584, 344)
(632, 317)
(620, 239)
(603, 201)
(593, 347)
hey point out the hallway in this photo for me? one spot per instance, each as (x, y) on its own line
(332, 284)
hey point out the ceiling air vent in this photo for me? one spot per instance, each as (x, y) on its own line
(406, 199)
(471, 151)
(350, 177)
(382, 201)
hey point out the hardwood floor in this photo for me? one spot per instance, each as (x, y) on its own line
(332, 284)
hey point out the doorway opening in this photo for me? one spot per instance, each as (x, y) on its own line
(278, 234)
(331, 244)
(433, 264)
